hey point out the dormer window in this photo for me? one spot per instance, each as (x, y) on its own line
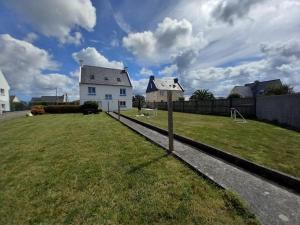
(92, 77)
(105, 78)
(119, 79)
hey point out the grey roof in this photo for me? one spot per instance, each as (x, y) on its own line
(48, 99)
(167, 84)
(104, 76)
(259, 87)
(243, 91)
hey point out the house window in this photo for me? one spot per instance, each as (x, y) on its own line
(161, 93)
(122, 92)
(91, 90)
(123, 104)
(3, 106)
(108, 97)
(92, 77)
(105, 78)
(2, 92)
(119, 79)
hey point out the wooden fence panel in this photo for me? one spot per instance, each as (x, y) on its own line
(246, 106)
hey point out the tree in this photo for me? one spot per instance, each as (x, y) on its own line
(280, 90)
(138, 98)
(202, 94)
(234, 95)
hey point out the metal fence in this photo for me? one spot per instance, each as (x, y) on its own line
(246, 106)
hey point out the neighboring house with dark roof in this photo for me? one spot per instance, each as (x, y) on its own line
(157, 89)
(256, 88)
(107, 86)
(48, 99)
(4, 94)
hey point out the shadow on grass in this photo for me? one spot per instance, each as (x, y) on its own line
(145, 164)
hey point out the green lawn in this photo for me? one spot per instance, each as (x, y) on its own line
(75, 169)
(266, 144)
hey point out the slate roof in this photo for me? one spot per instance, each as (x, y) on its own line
(48, 99)
(259, 87)
(243, 91)
(167, 83)
(255, 88)
(104, 76)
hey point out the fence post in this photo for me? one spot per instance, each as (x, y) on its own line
(170, 121)
(108, 106)
(119, 110)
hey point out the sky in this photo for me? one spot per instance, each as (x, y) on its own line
(207, 44)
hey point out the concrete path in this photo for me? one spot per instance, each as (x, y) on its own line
(12, 115)
(271, 203)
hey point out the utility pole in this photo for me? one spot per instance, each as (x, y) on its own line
(56, 94)
(170, 122)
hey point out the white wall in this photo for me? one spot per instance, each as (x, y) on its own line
(101, 91)
(4, 98)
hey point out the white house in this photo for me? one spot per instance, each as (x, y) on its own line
(4, 93)
(106, 86)
(157, 89)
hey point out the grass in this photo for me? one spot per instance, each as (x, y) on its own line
(263, 143)
(75, 169)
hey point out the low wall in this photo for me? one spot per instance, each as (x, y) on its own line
(283, 109)
(12, 115)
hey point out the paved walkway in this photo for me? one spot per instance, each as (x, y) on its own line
(271, 203)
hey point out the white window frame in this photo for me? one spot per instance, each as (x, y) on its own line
(2, 92)
(108, 96)
(91, 92)
(122, 91)
(122, 104)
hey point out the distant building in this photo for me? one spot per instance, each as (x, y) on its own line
(256, 88)
(4, 93)
(106, 86)
(49, 99)
(14, 99)
(156, 89)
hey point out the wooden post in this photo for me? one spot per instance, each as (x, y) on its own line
(118, 109)
(170, 121)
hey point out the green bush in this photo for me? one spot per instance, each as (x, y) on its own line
(90, 105)
(62, 109)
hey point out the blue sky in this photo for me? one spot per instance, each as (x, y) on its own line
(211, 44)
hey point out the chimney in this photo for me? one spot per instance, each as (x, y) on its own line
(176, 80)
(125, 69)
(152, 77)
(81, 65)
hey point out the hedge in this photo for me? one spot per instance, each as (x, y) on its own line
(63, 109)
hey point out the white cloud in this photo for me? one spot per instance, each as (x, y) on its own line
(168, 70)
(121, 22)
(31, 37)
(23, 64)
(230, 10)
(146, 72)
(91, 56)
(170, 38)
(282, 61)
(56, 18)
(139, 86)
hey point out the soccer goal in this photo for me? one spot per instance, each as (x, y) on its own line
(237, 116)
